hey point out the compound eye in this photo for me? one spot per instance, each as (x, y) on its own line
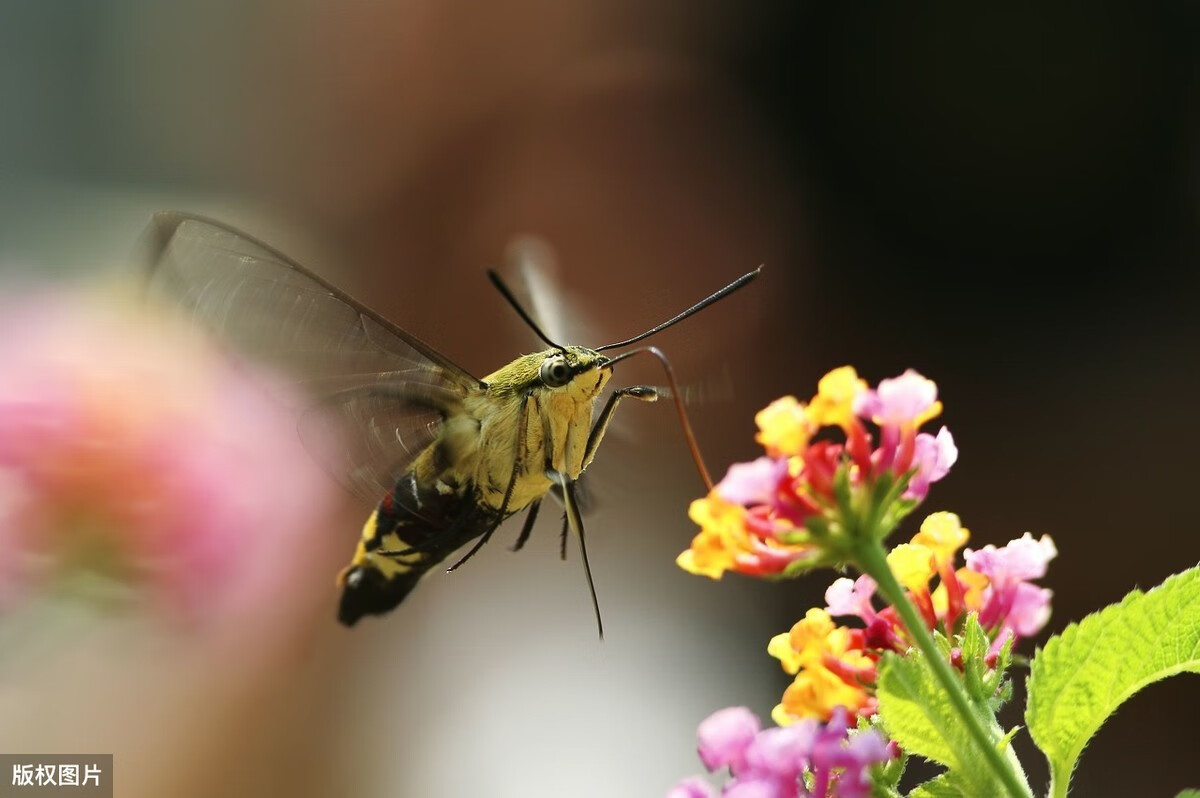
(555, 372)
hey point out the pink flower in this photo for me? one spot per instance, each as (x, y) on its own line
(852, 757)
(783, 751)
(780, 762)
(851, 597)
(1019, 560)
(907, 400)
(933, 457)
(121, 436)
(1009, 600)
(756, 788)
(724, 736)
(691, 787)
(756, 482)
(1030, 609)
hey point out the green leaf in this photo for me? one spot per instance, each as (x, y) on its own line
(885, 777)
(984, 685)
(919, 716)
(943, 786)
(1082, 675)
(1189, 794)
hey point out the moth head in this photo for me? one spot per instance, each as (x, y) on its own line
(560, 366)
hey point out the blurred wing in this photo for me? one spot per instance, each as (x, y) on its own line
(367, 435)
(380, 392)
(274, 311)
(531, 261)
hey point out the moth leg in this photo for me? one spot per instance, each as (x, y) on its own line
(675, 394)
(478, 545)
(580, 496)
(558, 483)
(571, 517)
(575, 522)
(644, 393)
(518, 467)
(527, 529)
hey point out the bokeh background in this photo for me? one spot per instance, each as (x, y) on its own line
(1003, 198)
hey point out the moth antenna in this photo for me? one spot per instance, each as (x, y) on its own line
(512, 300)
(701, 305)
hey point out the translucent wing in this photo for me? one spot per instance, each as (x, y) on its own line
(367, 435)
(380, 393)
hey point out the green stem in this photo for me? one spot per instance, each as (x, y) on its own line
(870, 556)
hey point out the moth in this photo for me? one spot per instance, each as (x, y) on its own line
(446, 456)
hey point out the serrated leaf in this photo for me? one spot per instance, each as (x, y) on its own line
(941, 787)
(1083, 674)
(974, 644)
(919, 716)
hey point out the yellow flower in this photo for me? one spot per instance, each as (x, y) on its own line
(817, 691)
(783, 428)
(972, 588)
(714, 514)
(722, 535)
(706, 557)
(807, 641)
(913, 566)
(728, 541)
(780, 647)
(834, 403)
(944, 533)
(973, 584)
(808, 651)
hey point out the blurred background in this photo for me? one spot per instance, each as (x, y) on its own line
(1005, 199)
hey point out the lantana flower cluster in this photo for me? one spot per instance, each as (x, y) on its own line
(838, 474)
(787, 511)
(810, 759)
(834, 665)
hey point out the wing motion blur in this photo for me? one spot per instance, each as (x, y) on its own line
(375, 394)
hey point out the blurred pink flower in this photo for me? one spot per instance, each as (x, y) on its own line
(907, 400)
(807, 759)
(692, 787)
(723, 737)
(128, 446)
(933, 457)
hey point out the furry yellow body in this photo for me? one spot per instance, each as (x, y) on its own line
(479, 452)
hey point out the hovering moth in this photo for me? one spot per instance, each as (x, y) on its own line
(446, 456)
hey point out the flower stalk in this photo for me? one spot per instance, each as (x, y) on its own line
(871, 559)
